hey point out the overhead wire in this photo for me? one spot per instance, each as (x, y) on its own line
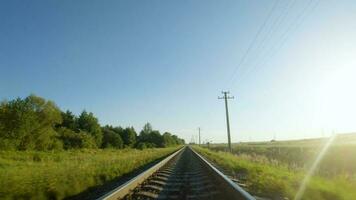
(246, 53)
(285, 35)
(275, 25)
(302, 18)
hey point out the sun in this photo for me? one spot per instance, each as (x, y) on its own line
(336, 98)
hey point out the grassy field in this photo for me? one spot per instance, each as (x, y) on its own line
(300, 154)
(55, 175)
(278, 182)
(276, 169)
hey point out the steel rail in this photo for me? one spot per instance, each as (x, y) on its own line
(124, 189)
(235, 191)
(230, 189)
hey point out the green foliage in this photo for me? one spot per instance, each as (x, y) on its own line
(144, 134)
(141, 145)
(34, 123)
(56, 175)
(117, 129)
(75, 140)
(168, 140)
(171, 140)
(69, 120)
(29, 123)
(145, 145)
(129, 136)
(111, 139)
(278, 182)
(153, 138)
(300, 154)
(156, 138)
(90, 124)
(147, 128)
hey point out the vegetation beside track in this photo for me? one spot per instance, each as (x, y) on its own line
(34, 123)
(55, 175)
(300, 154)
(278, 182)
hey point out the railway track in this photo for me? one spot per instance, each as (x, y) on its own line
(183, 175)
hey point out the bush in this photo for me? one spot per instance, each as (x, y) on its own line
(144, 145)
(129, 136)
(111, 139)
(154, 138)
(89, 123)
(73, 140)
(141, 145)
(29, 123)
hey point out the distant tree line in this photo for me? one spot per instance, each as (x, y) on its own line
(34, 123)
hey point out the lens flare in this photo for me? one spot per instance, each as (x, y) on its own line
(312, 169)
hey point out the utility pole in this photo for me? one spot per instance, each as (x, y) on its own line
(199, 135)
(226, 97)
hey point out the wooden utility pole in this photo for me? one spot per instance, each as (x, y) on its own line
(226, 97)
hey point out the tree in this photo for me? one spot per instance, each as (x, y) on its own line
(29, 123)
(34, 123)
(147, 128)
(168, 140)
(155, 138)
(178, 140)
(89, 123)
(129, 136)
(75, 140)
(111, 138)
(152, 138)
(69, 120)
(144, 134)
(117, 129)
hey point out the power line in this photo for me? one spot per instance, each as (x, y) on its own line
(280, 19)
(226, 97)
(275, 26)
(253, 41)
(298, 20)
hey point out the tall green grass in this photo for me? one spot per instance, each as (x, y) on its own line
(55, 175)
(279, 182)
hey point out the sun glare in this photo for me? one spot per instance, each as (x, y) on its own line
(336, 99)
(312, 169)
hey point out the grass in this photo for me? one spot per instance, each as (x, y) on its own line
(56, 175)
(278, 181)
(300, 154)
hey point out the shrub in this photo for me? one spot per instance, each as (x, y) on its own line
(111, 139)
(29, 123)
(73, 140)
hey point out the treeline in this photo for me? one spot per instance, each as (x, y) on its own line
(34, 123)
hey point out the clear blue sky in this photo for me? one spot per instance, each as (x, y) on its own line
(165, 62)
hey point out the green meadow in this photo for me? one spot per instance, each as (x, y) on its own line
(276, 169)
(56, 175)
(339, 160)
